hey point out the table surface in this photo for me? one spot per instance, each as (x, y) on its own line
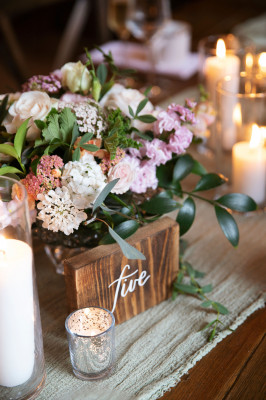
(234, 369)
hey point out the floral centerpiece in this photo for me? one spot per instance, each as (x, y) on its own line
(98, 160)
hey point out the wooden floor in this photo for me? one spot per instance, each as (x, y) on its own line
(235, 369)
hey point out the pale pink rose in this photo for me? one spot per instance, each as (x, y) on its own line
(126, 174)
(119, 97)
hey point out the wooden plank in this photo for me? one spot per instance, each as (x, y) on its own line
(214, 375)
(251, 383)
(104, 277)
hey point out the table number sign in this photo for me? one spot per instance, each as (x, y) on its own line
(104, 277)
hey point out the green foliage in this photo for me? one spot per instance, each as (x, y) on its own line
(124, 230)
(186, 215)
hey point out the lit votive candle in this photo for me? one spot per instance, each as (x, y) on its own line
(90, 333)
(249, 167)
(216, 67)
(16, 313)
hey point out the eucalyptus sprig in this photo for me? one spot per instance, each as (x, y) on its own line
(186, 283)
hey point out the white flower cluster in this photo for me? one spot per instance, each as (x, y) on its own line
(84, 180)
(62, 209)
(89, 117)
(58, 212)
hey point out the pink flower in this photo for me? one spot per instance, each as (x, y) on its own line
(126, 174)
(70, 97)
(184, 113)
(166, 121)
(49, 172)
(180, 140)
(157, 151)
(145, 178)
(32, 185)
(106, 163)
(190, 104)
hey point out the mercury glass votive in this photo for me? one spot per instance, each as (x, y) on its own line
(91, 339)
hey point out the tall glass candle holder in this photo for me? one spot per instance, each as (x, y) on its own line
(22, 371)
(91, 339)
(220, 55)
(240, 133)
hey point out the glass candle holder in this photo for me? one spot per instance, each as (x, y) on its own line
(22, 371)
(91, 339)
(240, 133)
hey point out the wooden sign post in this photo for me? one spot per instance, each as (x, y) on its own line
(103, 277)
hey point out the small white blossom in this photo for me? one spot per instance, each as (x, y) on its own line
(58, 212)
(84, 180)
(89, 116)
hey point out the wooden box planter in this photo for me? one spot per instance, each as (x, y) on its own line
(103, 277)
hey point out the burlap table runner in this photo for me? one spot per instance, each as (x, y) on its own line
(156, 348)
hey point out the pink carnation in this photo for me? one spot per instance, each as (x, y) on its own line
(166, 121)
(145, 178)
(180, 140)
(185, 114)
(157, 151)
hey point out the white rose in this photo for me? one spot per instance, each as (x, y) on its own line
(126, 174)
(119, 97)
(33, 105)
(76, 77)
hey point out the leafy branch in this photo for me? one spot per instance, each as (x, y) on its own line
(187, 272)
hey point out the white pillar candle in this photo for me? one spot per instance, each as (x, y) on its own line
(16, 313)
(216, 67)
(249, 167)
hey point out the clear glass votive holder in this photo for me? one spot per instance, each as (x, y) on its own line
(22, 368)
(241, 133)
(91, 339)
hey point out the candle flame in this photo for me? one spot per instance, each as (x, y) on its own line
(220, 48)
(237, 115)
(249, 60)
(256, 137)
(262, 61)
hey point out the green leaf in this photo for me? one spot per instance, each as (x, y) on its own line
(9, 170)
(209, 324)
(209, 181)
(85, 138)
(104, 193)
(207, 289)
(119, 201)
(111, 144)
(40, 124)
(198, 169)
(146, 118)
(213, 332)
(7, 149)
(182, 167)
(186, 288)
(53, 130)
(129, 251)
(160, 205)
(124, 230)
(164, 174)
(180, 277)
(219, 307)
(90, 147)
(117, 218)
(131, 112)
(66, 122)
(75, 133)
(237, 201)
(143, 135)
(186, 215)
(76, 154)
(102, 73)
(20, 137)
(141, 105)
(34, 165)
(147, 91)
(206, 304)
(228, 225)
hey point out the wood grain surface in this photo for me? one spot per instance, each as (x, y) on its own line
(92, 278)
